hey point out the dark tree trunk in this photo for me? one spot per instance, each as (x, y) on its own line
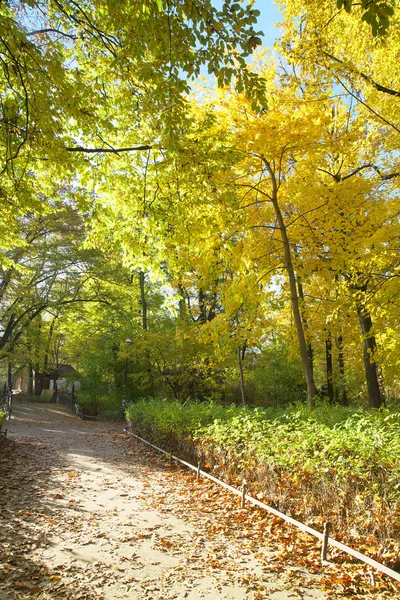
(9, 375)
(329, 365)
(39, 377)
(240, 356)
(30, 378)
(48, 346)
(212, 312)
(342, 390)
(55, 377)
(202, 307)
(375, 398)
(182, 304)
(143, 300)
(116, 371)
(310, 351)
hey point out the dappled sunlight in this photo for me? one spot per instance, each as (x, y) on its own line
(95, 521)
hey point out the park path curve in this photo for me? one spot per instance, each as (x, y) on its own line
(87, 513)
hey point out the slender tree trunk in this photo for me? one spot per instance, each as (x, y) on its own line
(305, 324)
(30, 378)
(38, 374)
(343, 400)
(212, 312)
(182, 309)
(9, 375)
(55, 378)
(202, 307)
(145, 325)
(375, 398)
(38, 383)
(30, 363)
(182, 304)
(329, 365)
(305, 359)
(56, 361)
(48, 345)
(116, 373)
(143, 300)
(240, 366)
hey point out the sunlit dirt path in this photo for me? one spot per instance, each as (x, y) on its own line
(87, 513)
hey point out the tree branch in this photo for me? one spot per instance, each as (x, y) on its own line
(367, 78)
(365, 104)
(49, 30)
(112, 150)
(383, 176)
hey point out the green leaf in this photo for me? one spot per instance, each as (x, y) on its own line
(386, 10)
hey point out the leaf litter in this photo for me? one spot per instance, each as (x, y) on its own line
(98, 516)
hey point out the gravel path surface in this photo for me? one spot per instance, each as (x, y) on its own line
(86, 513)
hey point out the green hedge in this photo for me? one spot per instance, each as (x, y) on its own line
(335, 463)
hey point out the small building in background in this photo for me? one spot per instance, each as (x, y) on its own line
(62, 376)
(58, 377)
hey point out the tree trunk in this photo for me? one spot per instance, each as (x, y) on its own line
(9, 375)
(30, 378)
(38, 379)
(202, 307)
(38, 383)
(55, 378)
(143, 300)
(343, 400)
(213, 308)
(305, 359)
(305, 324)
(329, 365)
(182, 304)
(375, 398)
(48, 345)
(240, 366)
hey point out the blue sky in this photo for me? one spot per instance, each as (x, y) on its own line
(269, 15)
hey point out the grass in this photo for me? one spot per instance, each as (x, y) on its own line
(335, 463)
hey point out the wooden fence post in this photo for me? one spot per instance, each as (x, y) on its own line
(324, 549)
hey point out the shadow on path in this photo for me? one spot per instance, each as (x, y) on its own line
(88, 514)
(43, 464)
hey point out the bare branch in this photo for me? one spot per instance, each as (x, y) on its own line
(49, 30)
(255, 188)
(112, 150)
(356, 97)
(383, 176)
(377, 86)
(307, 212)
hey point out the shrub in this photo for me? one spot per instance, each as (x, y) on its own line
(171, 424)
(335, 463)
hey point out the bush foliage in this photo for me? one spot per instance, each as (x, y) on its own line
(336, 463)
